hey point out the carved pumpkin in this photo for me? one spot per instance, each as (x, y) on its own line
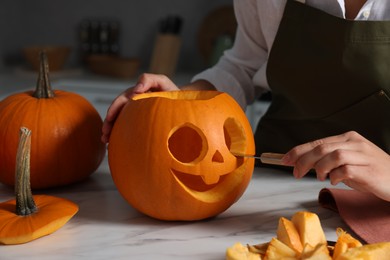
(66, 146)
(170, 153)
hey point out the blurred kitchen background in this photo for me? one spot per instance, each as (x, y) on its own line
(105, 45)
(45, 22)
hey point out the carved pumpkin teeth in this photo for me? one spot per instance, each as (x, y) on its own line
(210, 178)
(196, 182)
(194, 185)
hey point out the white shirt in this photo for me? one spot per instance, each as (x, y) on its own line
(241, 71)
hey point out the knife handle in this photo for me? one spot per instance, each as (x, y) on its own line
(272, 158)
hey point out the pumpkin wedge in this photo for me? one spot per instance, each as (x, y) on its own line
(288, 234)
(278, 250)
(315, 247)
(375, 251)
(344, 242)
(309, 228)
(238, 252)
(29, 217)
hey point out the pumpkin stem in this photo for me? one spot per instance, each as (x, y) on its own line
(25, 204)
(43, 89)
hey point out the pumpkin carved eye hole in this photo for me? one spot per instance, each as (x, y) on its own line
(186, 144)
(234, 135)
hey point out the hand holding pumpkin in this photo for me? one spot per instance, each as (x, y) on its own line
(146, 83)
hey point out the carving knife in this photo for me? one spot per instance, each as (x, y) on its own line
(267, 158)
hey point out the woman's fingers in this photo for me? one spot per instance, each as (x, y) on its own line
(112, 113)
(146, 83)
(369, 174)
(340, 161)
(294, 154)
(323, 158)
(324, 154)
(349, 158)
(154, 82)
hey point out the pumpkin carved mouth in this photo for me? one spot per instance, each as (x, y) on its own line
(195, 185)
(195, 182)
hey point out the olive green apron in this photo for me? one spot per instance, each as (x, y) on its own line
(328, 75)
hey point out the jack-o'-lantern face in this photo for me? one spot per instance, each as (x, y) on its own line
(170, 153)
(201, 160)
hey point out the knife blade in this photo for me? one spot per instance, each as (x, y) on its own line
(267, 158)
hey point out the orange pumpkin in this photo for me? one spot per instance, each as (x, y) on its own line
(66, 146)
(170, 153)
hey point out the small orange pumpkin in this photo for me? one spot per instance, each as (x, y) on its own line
(66, 146)
(170, 153)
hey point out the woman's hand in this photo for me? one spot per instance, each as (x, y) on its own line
(348, 158)
(146, 83)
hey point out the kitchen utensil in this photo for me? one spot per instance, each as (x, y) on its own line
(268, 158)
(113, 66)
(56, 55)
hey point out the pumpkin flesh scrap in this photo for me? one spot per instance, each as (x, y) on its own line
(344, 242)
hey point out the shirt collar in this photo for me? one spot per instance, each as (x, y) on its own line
(365, 12)
(337, 7)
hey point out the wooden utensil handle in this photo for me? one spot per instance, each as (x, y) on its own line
(272, 158)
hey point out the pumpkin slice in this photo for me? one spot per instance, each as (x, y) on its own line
(367, 252)
(318, 252)
(240, 252)
(278, 250)
(344, 242)
(288, 234)
(309, 228)
(316, 247)
(29, 217)
(259, 249)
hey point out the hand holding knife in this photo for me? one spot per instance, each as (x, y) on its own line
(267, 158)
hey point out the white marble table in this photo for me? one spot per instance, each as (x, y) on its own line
(106, 227)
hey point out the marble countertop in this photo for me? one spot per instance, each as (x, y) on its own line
(106, 227)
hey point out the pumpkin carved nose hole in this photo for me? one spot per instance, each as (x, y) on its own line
(186, 144)
(217, 157)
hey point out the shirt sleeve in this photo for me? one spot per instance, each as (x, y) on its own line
(246, 60)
